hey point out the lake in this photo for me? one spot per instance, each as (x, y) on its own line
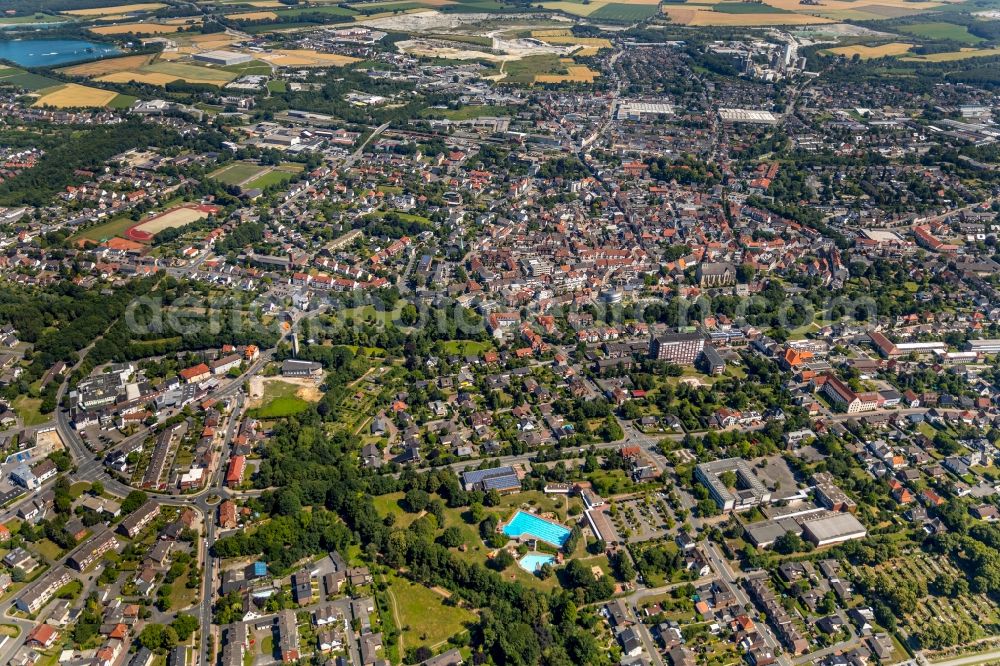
(51, 52)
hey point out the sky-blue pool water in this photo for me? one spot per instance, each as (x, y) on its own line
(532, 526)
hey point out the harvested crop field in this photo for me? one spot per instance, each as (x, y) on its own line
(305, 58)
(116, 9)
(685, 15)
(175, 217)
(72, 95)
(152, 78)
(252, 16)
(107, 66)
(868, 52)
(136, 29)
(951, 56)
(574, 74)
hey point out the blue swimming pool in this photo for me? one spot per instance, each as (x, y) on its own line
(532, 562)
(526, 524)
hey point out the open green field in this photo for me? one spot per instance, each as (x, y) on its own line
(237, 172)
(748, 8)
(467, 112)
(48, 549)
(101, 232)
(387, 505)
(28, 409)
(22, 79)
(331, 10)
(37, 17)
(423, 616)
(194, 73)
(277, 86)
(620, 12)
(465, 347)
(942, 30)
(280, 399)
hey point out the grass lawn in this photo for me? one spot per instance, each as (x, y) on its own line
(280, 400)
(102, 232)
(465, 347)
(180, 596)
(389, 504)
(79, 488)
(267, 645)
(28, 409)
(277, 86)
(423, 615)
(48, 549)
(281, 407)
(525, 69)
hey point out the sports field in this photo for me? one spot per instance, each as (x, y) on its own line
(237, 173)
(868, 52)
(175, 217)
(73, 95)
(116, 9)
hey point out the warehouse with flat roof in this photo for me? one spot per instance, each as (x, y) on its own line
(833, 528)
(224, 58)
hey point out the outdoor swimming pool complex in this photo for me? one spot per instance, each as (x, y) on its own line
(532, 562)
(530, 525)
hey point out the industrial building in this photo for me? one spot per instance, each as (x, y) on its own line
(833, 528)
(223, 58)
(501, 479)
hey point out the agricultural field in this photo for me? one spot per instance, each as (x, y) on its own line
(252, 16)
(941, 30)
(868, 52)
(574, 74)
(37, 17)
(589, 46)
(162, 73)
(107, 66)
(116, 9)
(684, 15)
(951, 56)
(305, 58)
(73, 95)
(137, 29)
(22, 79)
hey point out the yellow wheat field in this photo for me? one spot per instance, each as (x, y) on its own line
(252, 16)
(75, 95)
(152, 78)
(867, 52)
(109, 66)
(305, 58)
(574, 74)
(117, 9)
(955, 55)
(705, 17)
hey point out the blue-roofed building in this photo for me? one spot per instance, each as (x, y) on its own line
(502, 479)
(257, 570)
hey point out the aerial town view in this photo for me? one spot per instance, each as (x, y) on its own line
(499, 332)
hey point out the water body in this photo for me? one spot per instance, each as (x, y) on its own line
(52, 52)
